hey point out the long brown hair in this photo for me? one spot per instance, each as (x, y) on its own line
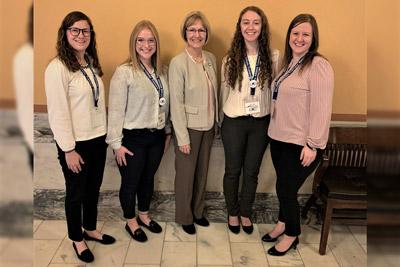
(64, 50)
(237, 52)
(312, 51)
(133, 59)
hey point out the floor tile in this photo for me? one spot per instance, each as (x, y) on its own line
(360, 233)
(345, 247)
(174, 232)
(66, 265)
(148, 252)
(44, 251)
(248, 254)
(110, 255)
(179, 254)
(116, 229)
(213, 245)
(311, 257)
(243, 237)
(36, 224)
(292, 258)
(141, 265)
(365, 248)
(51, 229)
(16, 252)
(4, 241)
(66, 253)
(310, 234)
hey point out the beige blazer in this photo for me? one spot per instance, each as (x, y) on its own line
(189, 94)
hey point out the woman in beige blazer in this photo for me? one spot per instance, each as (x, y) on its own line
(194, 105)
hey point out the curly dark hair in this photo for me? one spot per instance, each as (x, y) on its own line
(312, 51)
(237, 52)
(64, 50)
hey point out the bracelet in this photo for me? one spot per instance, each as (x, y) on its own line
(310, 147)
(69, 151)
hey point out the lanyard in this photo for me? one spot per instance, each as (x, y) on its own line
(96, 93)
(157, 84)
(252, 78)
(285, 74)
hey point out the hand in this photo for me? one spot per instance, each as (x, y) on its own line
(167, 142)
(307, 156)
(185, 149)
(74, 161)
(120, 155)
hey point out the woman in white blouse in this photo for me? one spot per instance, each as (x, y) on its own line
(77, 116)
(247, 71)
(138, 128)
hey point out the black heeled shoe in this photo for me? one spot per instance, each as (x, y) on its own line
(248, 229)
(85, 256)
(189, 228)
(234, 228)
(106, 239)
(202, 221)
(139, 235)
(153, 226)
(268, 238)
(274, 252)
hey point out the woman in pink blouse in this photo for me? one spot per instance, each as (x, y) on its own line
(300, 117)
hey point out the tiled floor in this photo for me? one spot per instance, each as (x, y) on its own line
(212, 247)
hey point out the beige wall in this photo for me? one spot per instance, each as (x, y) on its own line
(341, 24)
(13, 24)
(383, 35)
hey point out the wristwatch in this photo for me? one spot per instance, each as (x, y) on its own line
(310, 147)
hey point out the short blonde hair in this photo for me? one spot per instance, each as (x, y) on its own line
(133, 58)
(190, 19)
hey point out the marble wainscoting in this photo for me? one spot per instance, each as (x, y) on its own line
(49, 205)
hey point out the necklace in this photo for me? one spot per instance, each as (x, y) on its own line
(195, 59)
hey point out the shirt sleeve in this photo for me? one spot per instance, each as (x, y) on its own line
(321, 82)
(177, 95)
(56, 87)
(117, 104)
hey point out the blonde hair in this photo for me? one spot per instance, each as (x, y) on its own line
(190, 19)
(133, 59)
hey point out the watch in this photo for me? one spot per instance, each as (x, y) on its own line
(310, 147)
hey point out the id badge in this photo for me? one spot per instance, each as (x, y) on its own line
(252, 107)
(161, 120)
(97, 117)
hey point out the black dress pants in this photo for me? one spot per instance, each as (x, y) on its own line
(245, 140)
(82, 189)
(137, 176)
(290, 177)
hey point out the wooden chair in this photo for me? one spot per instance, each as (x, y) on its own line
(340, 180)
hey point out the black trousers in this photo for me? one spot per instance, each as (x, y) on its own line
(138, 175)
(290, 177)
(245, 140)
(82, 189)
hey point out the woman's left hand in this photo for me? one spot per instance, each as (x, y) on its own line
(307, 156)
(167, 142)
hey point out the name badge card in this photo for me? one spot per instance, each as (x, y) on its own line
(161, 119)
(97, 117)
(252, 107)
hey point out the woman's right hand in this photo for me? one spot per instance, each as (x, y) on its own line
(120, 155)
(185, 149)
(74, 161)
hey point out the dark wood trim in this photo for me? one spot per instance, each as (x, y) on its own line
(349, 117)
(383, 114)
(40, 108)
(7, 103)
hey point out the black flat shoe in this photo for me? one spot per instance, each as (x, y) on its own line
(139, 235)
(153, 226)
(106, 239)
(234, 228)
(248, 229)
(202, 221)
(189, 228)
(86, 255)
(274, 252)
(268, 238)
